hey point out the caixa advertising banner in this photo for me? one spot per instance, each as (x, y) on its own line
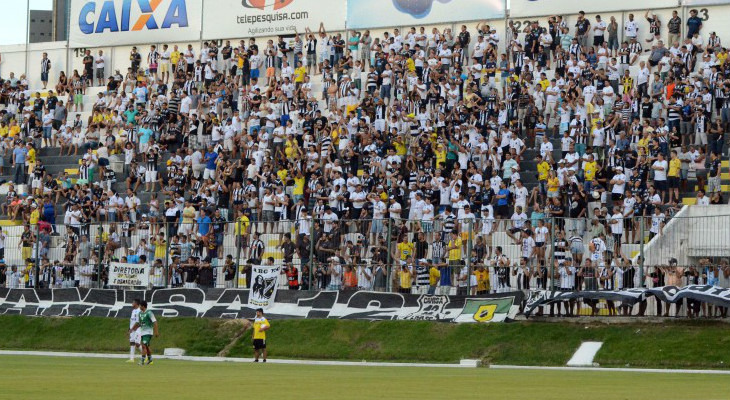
(96, 23)
(233, 19)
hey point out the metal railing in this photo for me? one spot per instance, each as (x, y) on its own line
(458, 255)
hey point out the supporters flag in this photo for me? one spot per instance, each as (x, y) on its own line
(129, 275)
(263, 285)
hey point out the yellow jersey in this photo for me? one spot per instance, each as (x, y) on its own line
(258, 323)
(241, 225)
(406, 279)
(299, 74)
(590, 169)
(174, 57)
(434, 275)
(542, 170)
(674, 167)
(482, 279)
(405, 250)
(455, 254)
(298, 186)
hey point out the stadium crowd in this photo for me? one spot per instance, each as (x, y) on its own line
(415, 148)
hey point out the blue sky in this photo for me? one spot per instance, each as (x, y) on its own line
(13, 18)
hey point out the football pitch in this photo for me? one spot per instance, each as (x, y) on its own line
(35, 377)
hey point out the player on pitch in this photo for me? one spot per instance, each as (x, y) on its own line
(134, 336)
(260, 326)
(148, 324)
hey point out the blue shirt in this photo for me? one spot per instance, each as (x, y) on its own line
(19, 155)
(132, 259)
(693, 25)
(203, 225)
(503, 201)
(144, 135)
(210, 160)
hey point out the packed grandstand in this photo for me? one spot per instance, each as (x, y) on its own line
(473, 160)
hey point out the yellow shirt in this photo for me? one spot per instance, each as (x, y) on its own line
(410, 64)
(455, 254)
(405, 250)
(174, 57)
(4, 131)
(544, 83)
(482, 279)
(188, 215)
(31, 155)
(241, 59)
(14, 130)
(282, 174)
(257, 324)
(553, 184)
(440, 157)
(400, 148)
(160, 249)
(590, 169)
(35, 216)
(241, 225)
(721, 57)
(298, 186)
(434, 275)
(299, 74)
(674, 166)
(406, 279)
(542, 170)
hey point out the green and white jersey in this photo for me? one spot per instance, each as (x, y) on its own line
(147, 322)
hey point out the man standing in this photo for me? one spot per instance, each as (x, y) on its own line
(134, 336)
(99, 65)
(148, 324)
(260, 326)
(45, 69)
(20, 154)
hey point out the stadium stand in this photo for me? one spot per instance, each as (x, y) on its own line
(451, 161)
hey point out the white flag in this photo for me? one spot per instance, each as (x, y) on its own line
(264, 281)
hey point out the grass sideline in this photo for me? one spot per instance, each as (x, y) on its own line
(674, 344)
(52, 378)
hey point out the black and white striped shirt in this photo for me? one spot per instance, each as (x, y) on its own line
(45, 65)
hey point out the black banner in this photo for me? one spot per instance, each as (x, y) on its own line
(232, 303)
(670, 294)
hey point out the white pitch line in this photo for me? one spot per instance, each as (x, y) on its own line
(650, 370)
(231, 359)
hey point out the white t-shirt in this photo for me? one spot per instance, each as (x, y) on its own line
(617, 228)
(660, 175)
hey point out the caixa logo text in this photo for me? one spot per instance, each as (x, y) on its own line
(97, 17)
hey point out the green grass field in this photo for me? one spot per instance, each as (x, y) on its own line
(41, 378)
(671, 344)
